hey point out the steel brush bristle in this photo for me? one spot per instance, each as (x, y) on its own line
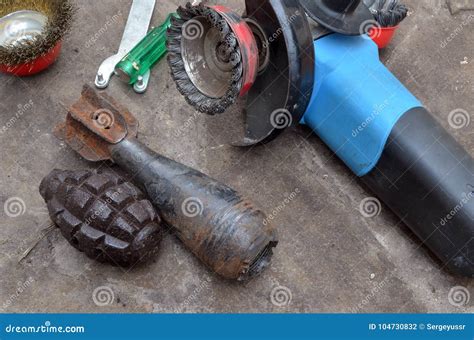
(184, 84)
(59, 13)
(389, 13)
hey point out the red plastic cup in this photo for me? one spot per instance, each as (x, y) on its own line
(382, 35)
(35, 66)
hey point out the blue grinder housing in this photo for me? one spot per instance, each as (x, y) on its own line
(385, 136)
(356, 100)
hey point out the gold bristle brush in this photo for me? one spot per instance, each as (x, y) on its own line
(31, 29)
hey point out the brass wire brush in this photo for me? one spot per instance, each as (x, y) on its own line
(58, 17)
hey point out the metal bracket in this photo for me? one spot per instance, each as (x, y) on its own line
(135, 30)
(95, 122)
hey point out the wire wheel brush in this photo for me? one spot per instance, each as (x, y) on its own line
(31, 32)
(213, 56)
(388, 13)
(262, 62)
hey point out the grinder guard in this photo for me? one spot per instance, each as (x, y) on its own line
(286, 84)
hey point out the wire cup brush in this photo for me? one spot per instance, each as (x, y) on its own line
(257, 68)
(213, 56)
(389, 13)
(31, 32)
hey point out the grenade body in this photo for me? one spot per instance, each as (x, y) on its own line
(102, 215)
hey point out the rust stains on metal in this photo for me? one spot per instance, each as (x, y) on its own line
(94, 122)
(102, 215)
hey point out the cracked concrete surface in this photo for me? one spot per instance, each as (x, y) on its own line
(330, 258)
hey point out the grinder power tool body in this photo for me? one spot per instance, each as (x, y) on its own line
(329, 77)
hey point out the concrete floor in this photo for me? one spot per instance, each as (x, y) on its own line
(330, 258)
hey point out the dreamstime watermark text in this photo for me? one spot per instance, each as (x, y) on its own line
(457, 31)
(377, 110)
(21, 110)
(466, 198)
(22, 287)
(281, 206)
(46, 328)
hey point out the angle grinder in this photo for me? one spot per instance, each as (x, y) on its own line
(328, 76)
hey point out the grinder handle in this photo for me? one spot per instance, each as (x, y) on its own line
(427, 178)
(223, 230)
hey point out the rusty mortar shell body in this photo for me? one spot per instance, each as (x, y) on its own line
(224, 231)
